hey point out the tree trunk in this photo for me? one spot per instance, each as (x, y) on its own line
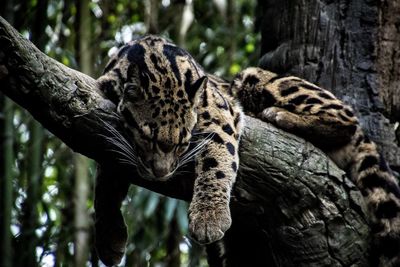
(6, 162)
(388, 57)
(81, 216)
(28, 239)
(151, 16)
(62, 253)
(81, 163)
(6, 176)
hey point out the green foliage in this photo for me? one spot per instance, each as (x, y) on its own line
(222, 40)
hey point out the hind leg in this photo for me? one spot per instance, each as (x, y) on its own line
(111, 233)
(318, 129)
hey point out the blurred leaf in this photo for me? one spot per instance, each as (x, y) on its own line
(234, 69)
(111, 19)
(120, 7)
(181, 216)
(250, 48)
(152, 203)
(65, 61)
(170, 207)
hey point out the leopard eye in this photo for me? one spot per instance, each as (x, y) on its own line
(130, 87)
(133, 92)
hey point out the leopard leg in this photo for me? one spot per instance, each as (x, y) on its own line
(110, 229)
(321, 129)
(216, 168)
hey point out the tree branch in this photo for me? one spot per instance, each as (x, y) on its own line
(290, 202)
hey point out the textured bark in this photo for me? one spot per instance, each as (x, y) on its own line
(348, 47)
(388, 56)
(288, 204)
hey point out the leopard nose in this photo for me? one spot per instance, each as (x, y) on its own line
(160, 170)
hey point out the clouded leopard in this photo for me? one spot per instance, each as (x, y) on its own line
(167, 101)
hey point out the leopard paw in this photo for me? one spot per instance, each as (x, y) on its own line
(278, 116)
(208, 224)
(270, 114)
(110, 239)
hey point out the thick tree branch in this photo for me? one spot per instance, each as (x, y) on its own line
(290, 202)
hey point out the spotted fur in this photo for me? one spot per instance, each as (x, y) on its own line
(316, 114)
(174, 112)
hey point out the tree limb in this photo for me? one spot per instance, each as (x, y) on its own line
(290, 202)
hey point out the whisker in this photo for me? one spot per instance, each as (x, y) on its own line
(129, 152)
(196, 141)
(123, 154)
(126, 162)
(183, 163)
(181, 173)
(121, 146)
(191, 155)
(117, 134)
(202, 133)
(199, 146)
(124, 149)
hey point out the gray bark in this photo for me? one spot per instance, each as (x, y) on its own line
(291, 205)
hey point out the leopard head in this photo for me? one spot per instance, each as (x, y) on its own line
(158, 104)
(160, 127)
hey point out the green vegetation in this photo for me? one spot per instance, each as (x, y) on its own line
(46, 191)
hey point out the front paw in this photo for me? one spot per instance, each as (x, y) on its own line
(208, 224)
(110, 239)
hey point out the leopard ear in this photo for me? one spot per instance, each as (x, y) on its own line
(197, 89)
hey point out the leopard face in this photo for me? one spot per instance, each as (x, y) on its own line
(161, 129)
(159, 104)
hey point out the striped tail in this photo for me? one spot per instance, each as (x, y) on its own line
(381, 191)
